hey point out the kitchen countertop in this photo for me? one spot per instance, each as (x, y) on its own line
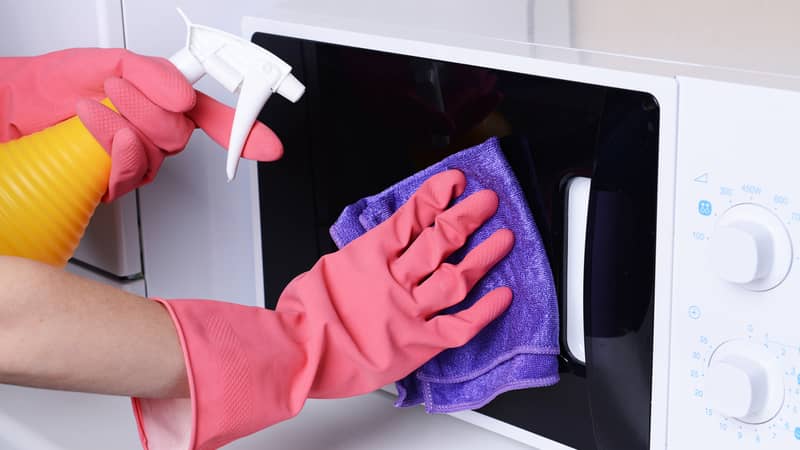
(50, 420)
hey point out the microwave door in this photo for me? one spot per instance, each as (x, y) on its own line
(369, 119)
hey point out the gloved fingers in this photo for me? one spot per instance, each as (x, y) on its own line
(102, 122)
(419, 212)
(159, 80)
(168, 130)
(455, 330)
(105, 124)
(128, 164)
(449, 284)
(449, 232)
(216, 118)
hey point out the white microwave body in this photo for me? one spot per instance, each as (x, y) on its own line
(726, 345)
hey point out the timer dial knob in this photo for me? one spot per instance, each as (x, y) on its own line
(743, 383)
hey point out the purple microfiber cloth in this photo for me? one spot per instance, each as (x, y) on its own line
(516, 351)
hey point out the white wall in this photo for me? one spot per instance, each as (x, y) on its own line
(762, 36)
(25, 28)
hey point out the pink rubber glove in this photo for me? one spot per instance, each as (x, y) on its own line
(159, 108)
(362, 317)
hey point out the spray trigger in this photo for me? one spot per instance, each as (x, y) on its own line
(241, 67)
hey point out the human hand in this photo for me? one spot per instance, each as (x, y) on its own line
(158, 109)
(375, 301)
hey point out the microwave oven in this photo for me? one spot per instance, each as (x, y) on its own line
(663, 189)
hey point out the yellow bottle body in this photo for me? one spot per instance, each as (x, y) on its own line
(51, 182)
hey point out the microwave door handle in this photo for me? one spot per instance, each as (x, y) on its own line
(575, 221)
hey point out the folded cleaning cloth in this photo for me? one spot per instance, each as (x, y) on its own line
(516, 351)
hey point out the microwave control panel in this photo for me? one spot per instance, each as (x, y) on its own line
(734, 377)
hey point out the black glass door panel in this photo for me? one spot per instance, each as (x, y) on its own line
(369, 119)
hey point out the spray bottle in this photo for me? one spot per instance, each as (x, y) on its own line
(51, 181)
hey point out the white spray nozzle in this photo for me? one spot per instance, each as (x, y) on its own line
(240, 66)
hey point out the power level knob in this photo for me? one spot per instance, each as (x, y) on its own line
(742, 382)
(751, 247)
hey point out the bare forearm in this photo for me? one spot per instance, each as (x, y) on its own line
(60, 331)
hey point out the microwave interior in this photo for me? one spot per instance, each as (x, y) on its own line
(369, 119)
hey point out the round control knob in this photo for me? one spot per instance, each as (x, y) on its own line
(742, 382)
(751, 247)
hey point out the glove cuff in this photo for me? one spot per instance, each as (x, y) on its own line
(247, 370)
